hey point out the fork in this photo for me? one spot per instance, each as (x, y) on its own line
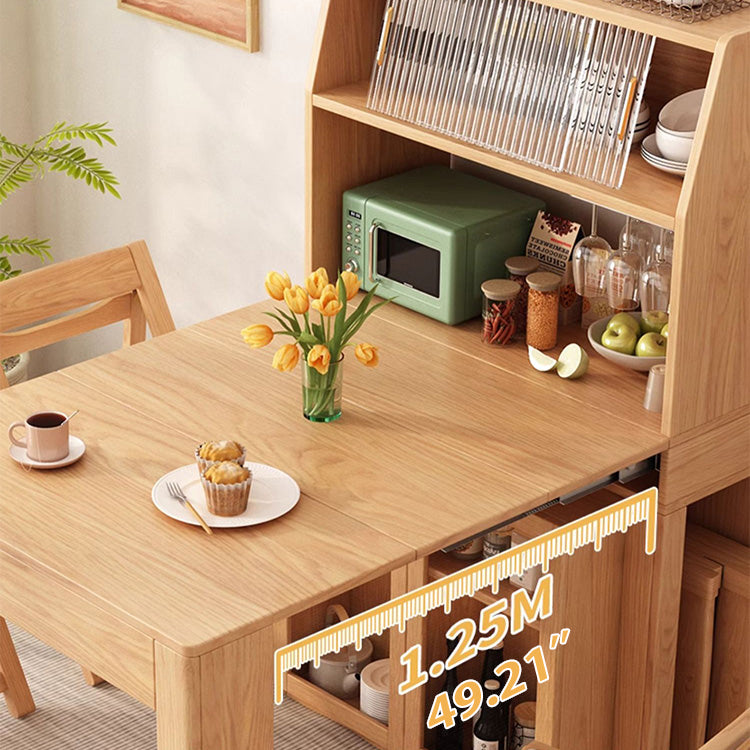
(176, 492)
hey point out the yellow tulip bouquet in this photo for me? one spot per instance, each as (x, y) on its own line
(322, 343)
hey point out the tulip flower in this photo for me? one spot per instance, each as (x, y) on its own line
(351, 282)
(316, 282)
(328, 304)
(367, 354)
(297, 299)
(319, 358)
(286, 358)
(276, 283)
(256, 336)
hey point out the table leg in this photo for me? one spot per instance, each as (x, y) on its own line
(92, 680)
(13, 683)
(222, 699)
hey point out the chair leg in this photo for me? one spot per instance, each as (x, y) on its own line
(91, 679)
(13, 683)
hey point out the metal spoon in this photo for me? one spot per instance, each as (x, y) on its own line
(69, 417)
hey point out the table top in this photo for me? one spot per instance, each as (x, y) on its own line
(444, 439)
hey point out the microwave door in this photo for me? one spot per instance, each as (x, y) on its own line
(398, 261)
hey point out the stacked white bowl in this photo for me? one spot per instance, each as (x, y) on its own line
(642, 123)
(675, 129)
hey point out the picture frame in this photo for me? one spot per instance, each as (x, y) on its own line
(233, 22)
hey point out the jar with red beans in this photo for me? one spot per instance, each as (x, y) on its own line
(519, 267)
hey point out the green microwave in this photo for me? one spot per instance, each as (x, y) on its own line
(431, 236)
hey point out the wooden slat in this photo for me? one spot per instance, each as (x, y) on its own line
(646, 193)
(65, 286)
(704, 464)
(701, 579)
(150, 292)
(735, 736)
(98, 315)
(708, 356)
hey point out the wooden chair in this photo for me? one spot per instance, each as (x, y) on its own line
(116, 285)
(96, 290)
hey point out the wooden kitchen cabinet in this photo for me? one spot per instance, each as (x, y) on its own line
(706, 418)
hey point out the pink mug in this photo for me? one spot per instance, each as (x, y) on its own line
(46, 436)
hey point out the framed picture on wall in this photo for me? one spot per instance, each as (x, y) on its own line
(233, 22)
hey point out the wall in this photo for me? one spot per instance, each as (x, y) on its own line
(210, 151)
(17, 213)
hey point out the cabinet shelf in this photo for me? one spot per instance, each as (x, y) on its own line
(703, 35)
(645, 194)
(442, 565)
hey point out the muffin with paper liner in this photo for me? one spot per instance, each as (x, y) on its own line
(212, 451)
(227, 487)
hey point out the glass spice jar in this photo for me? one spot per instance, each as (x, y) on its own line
(519, 267)
(541, 322)
(524, 725)
(498, 302)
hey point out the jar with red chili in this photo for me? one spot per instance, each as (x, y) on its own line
(498, 301)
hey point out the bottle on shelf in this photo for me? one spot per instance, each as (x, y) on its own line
(493, 657)
(450, 739)
(491, 730)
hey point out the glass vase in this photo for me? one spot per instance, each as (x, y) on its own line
(321, 394)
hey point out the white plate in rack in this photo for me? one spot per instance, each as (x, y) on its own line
(272, 494)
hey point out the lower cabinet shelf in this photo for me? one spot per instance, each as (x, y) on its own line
(343, 712)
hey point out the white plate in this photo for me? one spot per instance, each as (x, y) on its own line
(651, 154)
(273, 493)
(76, 448)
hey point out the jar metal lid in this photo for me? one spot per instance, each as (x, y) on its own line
(544, 281)
(500, 289)
(521, 265)
(525, 714)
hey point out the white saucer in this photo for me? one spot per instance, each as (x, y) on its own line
(76, 448)
(272, 494)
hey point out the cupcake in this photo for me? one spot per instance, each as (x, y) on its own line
(227, 488)
(213, 451)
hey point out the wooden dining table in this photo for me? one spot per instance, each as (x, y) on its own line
(444, 439)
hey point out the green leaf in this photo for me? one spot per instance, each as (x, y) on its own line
(26, 246)
(280, 321)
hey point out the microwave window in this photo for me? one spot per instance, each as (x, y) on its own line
(408, 262)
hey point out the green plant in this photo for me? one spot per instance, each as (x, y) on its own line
(56, 151)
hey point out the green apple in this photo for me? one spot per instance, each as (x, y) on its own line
(627, 319)
(620, 337)
(665, 331)
(651, 344)
(653, 321)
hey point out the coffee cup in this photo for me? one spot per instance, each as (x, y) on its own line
(46, 436)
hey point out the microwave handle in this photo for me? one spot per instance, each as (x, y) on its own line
(372, 249)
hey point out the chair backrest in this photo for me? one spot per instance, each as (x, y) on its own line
(115, 285)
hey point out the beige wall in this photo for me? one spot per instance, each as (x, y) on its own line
(210, 152)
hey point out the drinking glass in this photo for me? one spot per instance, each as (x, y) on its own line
(656, 278)
(590, 258)
(626, 263)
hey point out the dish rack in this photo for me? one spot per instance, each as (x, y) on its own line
(684, 10)
(547, 86)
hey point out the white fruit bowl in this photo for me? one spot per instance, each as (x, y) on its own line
(630, 361)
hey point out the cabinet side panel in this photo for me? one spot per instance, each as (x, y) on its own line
(346, 42)
(342, 154)
(707, 361)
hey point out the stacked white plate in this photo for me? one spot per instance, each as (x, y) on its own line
(375, 690)
(650, 152)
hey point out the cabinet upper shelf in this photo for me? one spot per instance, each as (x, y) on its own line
(646, 193)
(703, 35)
